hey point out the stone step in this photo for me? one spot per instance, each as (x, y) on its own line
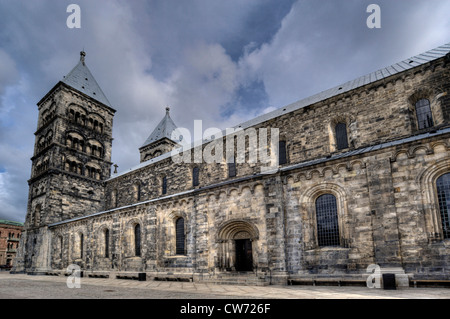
(238, 279)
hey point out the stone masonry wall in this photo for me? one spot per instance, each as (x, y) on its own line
(385, 197)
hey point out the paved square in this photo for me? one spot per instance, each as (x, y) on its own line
(21, 286)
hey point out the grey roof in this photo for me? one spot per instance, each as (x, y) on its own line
(81, 79)
(356, 83)
(164, 130)
(402, 66)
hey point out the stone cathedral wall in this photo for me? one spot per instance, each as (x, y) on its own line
(285, 239)
(384, 191)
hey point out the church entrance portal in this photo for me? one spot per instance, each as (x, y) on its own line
(235, 249)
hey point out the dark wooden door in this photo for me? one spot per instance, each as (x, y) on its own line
(244, 260)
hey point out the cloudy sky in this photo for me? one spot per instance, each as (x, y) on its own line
(221, 61)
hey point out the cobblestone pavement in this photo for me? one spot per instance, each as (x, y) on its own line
(21, 286)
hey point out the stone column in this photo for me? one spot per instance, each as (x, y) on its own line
(41, 262)
(386, 238)
(274, 201)
(19, 261)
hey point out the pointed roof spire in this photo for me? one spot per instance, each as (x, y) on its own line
(81, 79)
(163, 130)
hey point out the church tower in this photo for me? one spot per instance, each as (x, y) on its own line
(163, 139)
(72, 157)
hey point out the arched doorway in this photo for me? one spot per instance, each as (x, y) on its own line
(236, 240)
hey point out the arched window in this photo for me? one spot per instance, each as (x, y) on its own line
(195, 176)
(341, 136)
(180, 236)
(164, 185)
(282, 156)
(443, 192)
(137, 240)
(423, 113)
(106, 241)
(81, 245)
(232, 167)
(61, 247)
(327, 221)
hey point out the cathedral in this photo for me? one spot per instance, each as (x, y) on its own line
(362, 182)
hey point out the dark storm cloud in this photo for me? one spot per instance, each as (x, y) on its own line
(220, 61)
(324, 43)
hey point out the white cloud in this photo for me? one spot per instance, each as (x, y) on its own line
(206, 80)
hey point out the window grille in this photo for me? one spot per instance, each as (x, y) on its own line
(423, 113)
(327, 221)
(341, 136)
(180, 236)
(443, 192)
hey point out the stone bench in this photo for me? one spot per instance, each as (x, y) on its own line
(416, 283)
(327, 282)
(98, 275)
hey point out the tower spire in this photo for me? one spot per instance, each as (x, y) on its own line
(163, 139)
(81, 79)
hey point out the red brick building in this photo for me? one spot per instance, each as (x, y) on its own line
(10, 233)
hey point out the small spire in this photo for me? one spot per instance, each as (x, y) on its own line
(82, 56)
(167, 110)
